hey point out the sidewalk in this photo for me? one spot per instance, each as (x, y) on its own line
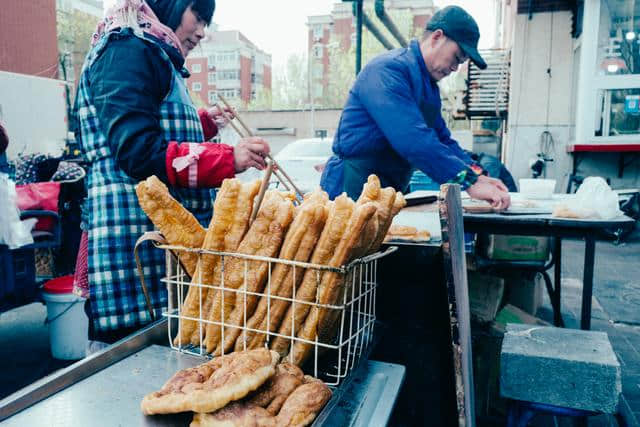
(616, 309)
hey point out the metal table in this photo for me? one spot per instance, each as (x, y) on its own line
(559, 228)
(107, 388)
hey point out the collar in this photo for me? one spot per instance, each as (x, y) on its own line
(414, 46)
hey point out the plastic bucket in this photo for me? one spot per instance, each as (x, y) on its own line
(68, 323)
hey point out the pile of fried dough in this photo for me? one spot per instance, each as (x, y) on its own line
(317, 231)
(247, 388)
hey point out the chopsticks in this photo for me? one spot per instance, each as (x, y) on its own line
(282, 176)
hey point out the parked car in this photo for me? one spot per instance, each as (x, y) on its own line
(303, 160)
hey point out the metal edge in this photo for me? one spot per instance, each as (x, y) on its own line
(82, 369)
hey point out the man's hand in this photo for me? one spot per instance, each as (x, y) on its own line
(250, 152)
(492, 190)
(218, 117)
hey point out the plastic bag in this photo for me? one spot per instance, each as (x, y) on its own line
(13, 232)
(39, 196)
(594, 199)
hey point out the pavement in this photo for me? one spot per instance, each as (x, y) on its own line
(616, 311)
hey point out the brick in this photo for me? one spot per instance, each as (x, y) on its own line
(562, 367)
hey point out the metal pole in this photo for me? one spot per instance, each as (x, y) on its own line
(376, 32)
(358, 6)
(384, 18)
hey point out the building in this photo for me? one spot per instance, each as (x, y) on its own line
(27, 47)
(339, 26)
(228, 63)
(575, 89)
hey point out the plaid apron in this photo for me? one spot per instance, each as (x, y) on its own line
(114, 218)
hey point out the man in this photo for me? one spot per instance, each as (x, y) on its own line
(391, 123)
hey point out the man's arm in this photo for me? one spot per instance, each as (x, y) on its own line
(397, 115)
(445, 137)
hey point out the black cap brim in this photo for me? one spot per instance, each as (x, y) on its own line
(473, 54)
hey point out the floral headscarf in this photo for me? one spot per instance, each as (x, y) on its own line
(136, 14)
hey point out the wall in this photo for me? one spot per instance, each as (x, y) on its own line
(33, 110)
(296, 122)
(541, 93)
(28, 37)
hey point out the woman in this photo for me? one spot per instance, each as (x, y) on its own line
(137, 120)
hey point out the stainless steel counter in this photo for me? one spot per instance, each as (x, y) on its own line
(106, 390)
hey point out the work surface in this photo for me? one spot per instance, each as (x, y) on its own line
(112, 397)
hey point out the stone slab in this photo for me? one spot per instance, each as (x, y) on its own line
(563, 367)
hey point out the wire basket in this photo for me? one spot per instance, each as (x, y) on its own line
(353, 315)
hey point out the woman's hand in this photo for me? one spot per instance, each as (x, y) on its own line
(219, 118)
(250, 152)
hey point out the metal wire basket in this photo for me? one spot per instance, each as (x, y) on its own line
(354, 313)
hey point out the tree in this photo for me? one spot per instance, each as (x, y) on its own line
(290, 87)
(262, 101)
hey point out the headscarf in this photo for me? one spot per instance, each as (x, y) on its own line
(139, 16)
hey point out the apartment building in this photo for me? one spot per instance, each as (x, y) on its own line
(340, 26)
(228, 63)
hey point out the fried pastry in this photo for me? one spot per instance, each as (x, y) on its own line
(340, 210)
(175, 222)
(229, 225)
(212, 385)
(299, 409)
(304, 404)
(264, 238)
(332, 286)
(224, 208)
(299, 243)
(275, 391)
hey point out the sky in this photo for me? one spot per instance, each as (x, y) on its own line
(279, 27)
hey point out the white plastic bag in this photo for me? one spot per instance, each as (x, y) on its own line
(13, 232)
(594, 199)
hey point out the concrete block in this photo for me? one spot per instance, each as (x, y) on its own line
(562, 367)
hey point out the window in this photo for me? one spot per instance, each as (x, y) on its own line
(317, 31)
(318, 51)
(618, 38)
(228, 75)
(196, 68)
(211, 61)
(318, 71)
(211, 77)
(229, 93)
(212, 97)
(196, 86)
(226, 57)
(253, 95)
(317, 91)
(619, 112)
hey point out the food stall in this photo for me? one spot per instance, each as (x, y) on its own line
(363, 365)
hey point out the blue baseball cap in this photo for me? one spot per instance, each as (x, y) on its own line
(460, 27)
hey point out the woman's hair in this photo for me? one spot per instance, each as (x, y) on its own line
(170, 12)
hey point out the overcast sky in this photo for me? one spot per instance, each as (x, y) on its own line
(279, 26)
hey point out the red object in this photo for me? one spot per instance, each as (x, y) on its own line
(603, 148)
(59, 285)
(81, 275)
(39, 196)
(209, 127)
(206, 169)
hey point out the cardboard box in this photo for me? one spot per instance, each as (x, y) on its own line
(517, 248)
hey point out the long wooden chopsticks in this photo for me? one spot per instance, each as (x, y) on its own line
(272, 165)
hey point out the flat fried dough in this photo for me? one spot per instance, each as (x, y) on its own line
(264, 238)
(300, 409)
(212, 385)
(175, 222)
(277, 389)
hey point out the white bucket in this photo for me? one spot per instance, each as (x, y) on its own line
(68, 325)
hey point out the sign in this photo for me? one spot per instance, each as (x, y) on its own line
(632, 104)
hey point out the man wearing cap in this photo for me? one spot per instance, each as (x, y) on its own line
(391, 123)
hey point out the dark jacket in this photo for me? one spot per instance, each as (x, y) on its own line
(391, 124)
(128, 83)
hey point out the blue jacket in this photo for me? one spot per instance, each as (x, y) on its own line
(391, 125)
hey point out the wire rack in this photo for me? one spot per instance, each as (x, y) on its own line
(354, 313)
